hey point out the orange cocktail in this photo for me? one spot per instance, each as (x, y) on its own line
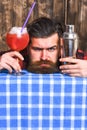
(16, 39)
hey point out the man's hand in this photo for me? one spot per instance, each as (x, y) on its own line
(75, 67)
(10, 61)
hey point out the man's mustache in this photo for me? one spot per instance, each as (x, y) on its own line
(38, 63)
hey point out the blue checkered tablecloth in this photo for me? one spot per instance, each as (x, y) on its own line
(42, 102)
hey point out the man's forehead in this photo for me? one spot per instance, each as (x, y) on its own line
(51, 40)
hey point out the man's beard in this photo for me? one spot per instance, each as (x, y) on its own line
(49, 67)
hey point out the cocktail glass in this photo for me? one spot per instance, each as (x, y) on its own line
(16, 39)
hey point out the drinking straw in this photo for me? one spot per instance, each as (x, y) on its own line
(29, 13)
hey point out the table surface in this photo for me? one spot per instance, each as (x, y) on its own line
(42, 102)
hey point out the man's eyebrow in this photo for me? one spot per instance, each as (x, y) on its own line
(36, 47)
(52, 46)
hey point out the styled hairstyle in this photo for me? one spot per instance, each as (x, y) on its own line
(44, 27)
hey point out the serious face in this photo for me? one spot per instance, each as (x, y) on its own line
(43, 54)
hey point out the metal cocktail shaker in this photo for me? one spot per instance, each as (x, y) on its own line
(70, 42)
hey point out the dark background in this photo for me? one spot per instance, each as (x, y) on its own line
(14, 13)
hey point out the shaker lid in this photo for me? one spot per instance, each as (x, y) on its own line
(70, 28)
(69, 33)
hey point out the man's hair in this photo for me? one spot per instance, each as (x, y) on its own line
(44, 27)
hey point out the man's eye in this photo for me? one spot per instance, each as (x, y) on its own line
(52, 49)
(36, 49)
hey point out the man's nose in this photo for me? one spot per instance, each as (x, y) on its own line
(44, 55)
